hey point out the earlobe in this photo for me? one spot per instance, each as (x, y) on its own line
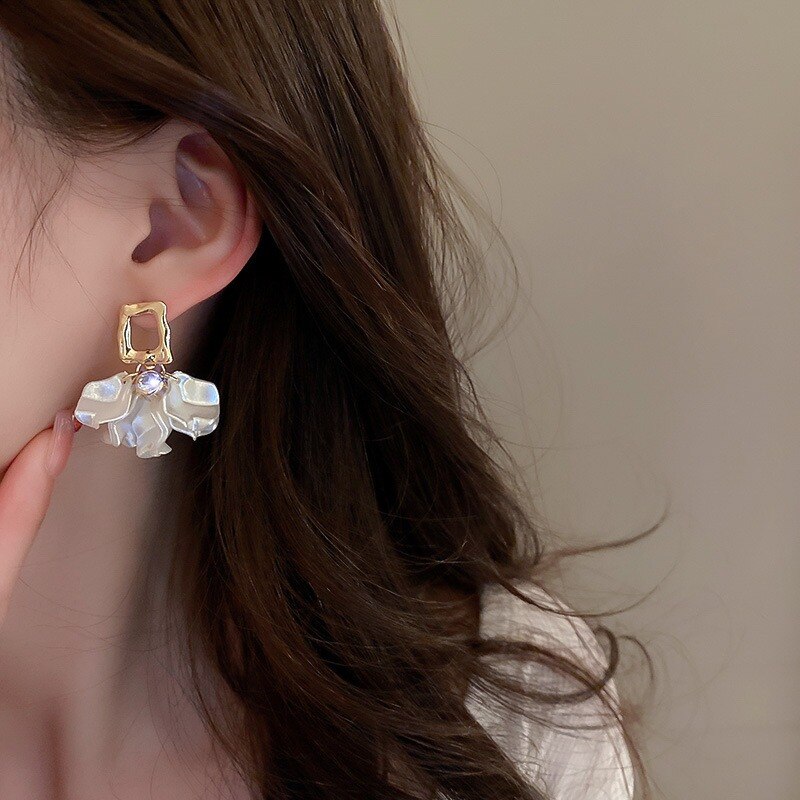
(203, 226)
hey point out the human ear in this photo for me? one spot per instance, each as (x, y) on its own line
(203, 225)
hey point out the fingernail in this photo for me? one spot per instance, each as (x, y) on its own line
(60, 442)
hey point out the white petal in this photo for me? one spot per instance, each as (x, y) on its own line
(192, 405)
(106, 400)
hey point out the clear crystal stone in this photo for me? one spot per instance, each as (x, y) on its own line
(149, 382)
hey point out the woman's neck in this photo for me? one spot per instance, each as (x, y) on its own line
(85, 664)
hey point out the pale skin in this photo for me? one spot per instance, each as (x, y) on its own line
(89, 711)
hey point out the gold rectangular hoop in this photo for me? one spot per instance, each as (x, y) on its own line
(159, 355)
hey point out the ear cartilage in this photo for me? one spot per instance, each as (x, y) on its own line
(140, 409)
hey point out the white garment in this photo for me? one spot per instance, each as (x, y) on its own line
(583, 763)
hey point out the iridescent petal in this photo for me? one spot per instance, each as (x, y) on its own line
(104, 401)
(189, 406)
(192, 405)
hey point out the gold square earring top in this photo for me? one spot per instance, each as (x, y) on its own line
(159, 355)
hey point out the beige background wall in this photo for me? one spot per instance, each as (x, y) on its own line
(647, 158)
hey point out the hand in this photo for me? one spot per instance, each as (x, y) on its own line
(25, 492)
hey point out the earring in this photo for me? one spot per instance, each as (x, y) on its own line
(140, 409)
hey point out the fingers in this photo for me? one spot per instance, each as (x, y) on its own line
(25, 493)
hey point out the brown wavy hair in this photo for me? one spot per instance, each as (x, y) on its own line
(340, 525)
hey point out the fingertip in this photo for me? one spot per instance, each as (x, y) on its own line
(60, 445)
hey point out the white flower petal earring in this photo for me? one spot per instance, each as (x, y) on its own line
(140, 409)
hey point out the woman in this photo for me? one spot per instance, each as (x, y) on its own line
(334, 594)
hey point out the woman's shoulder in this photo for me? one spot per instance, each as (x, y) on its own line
(572, 751)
